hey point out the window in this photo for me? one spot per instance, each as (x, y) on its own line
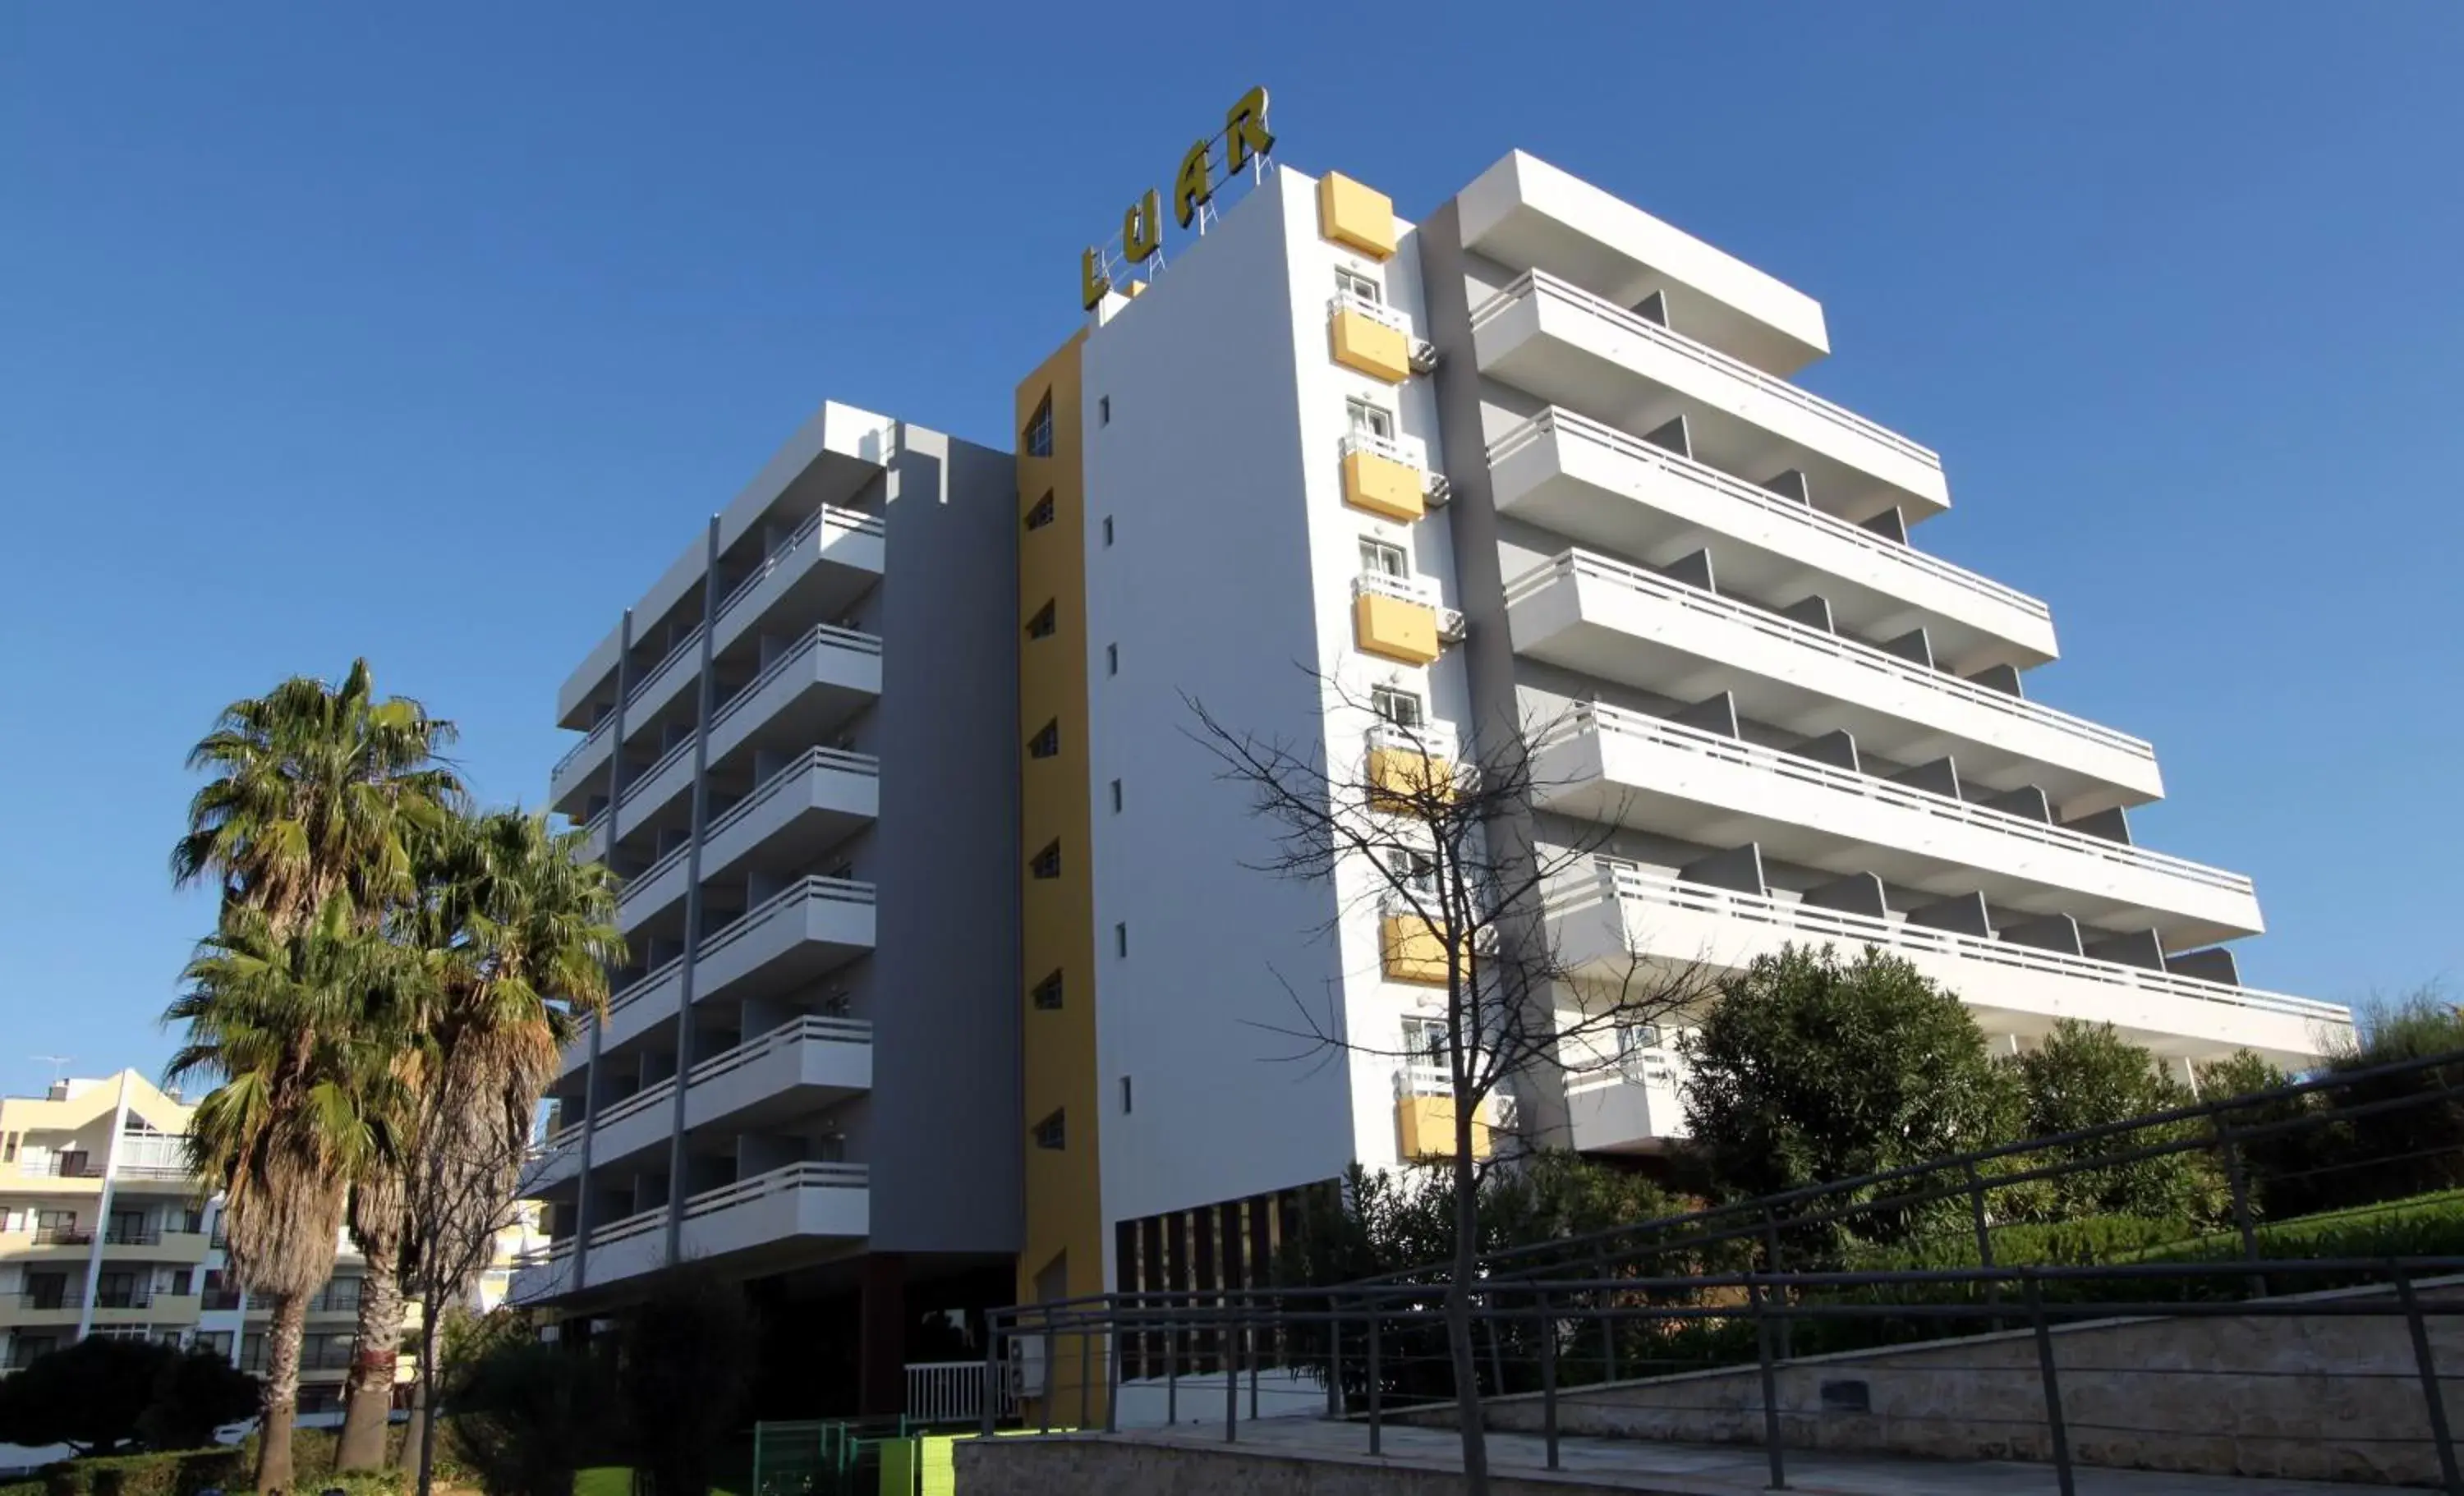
(1112, 659)
(1047, 996)
(1394, 704)
(1369, 419)
(1642, 1053)
(1413, 868)
(1040, 515)
(1103, 410)
(1107, 529)
(1046, 740)
(9, 1147)
(1352, 283)
(1053, 1132)
(1038, 431)
(1047, 862)
(1424, 1041)
(1047, 619)
(1121, 940)
(1383, 558)
(216, 1341)
(1116, 797)
(180, 1281)
(1125, 1095)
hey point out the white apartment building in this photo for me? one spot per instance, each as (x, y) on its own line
(797, 755)
(1536, 459)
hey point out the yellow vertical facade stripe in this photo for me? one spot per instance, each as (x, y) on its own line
(1063, 1239)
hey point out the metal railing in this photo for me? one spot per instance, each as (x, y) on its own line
(1432, 738)
(1643, 727)
(810, 1028)
(1376, 311)
(71, 1296)
(634, 990)
(1422, 590)
(1541, 284)
(674, 753)
(782, 1180)
(635, 1225)
(216, 1300)
(63, 1236)
(639, 1102)
(655, 676)
(598, 731)
(822, 634)
(848, 520)
(954, 1392)
(841, 891)
(805, 763)
(1574, 564)
(1797, 920)
(1409, 451)
(1566, 424)
(133, 1235)
(1697, 1318)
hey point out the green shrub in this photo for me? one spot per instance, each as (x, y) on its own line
(171, 1472)
(367, 1483)
(22, 1489)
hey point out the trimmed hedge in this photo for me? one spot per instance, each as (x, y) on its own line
(169, 1472)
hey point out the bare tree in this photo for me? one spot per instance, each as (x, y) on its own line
(458, 1197)
(1441, 839)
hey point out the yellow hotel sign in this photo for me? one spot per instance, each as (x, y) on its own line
(1245, 138)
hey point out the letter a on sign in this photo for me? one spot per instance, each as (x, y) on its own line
(1245, 131)
(1193, 186)
(1142, 229)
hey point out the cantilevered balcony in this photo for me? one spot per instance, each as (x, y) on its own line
(801, 1203)
(542, 1272)
(817, 682)
(801, 1066)
(554, 1161)
(1574, 350)
(1603, 487)
(1629, 624)
(1709, 788)
(818, 798)
(1601, 919)
(823, 565)
(570, 781)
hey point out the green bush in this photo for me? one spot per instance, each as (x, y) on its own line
(367, 1483)
(171, 1472)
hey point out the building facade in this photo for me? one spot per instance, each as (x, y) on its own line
(798, 757)
(1533, 467)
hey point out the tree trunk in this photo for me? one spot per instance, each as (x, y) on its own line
(423, 1429)
(281, 1392)
(1468, 1413)
(367, 1395)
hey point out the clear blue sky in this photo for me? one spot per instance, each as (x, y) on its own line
(431, 335)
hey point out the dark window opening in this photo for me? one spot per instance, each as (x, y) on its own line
(1047, 862)
(1052, 1133)
(1038, 431)
(1047, 619)
(1040, 515)
(1047, 993)
(1046, 740)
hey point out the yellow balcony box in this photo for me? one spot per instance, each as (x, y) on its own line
(1363, 343)
(1394, 628)
(1410, 950)
(1401, 778)
(1424, 1128)
(1381, 485)
(1355, 215)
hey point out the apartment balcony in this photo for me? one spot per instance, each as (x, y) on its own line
(554, 1161)
(772, 1212)
(1622, 1109)
(1625, 623)
(814, 685)
(48, 1243)
(1571, 349)
(1424, 1116)
(822, 567)
(634, 1008)
(1390, 476)
(795, 1070)
(541, 1273)
(1400, 618)
(1526, 214)
(1374, 338)
(633, 1125)
(821, 796)
(663, 782)
(1602, 920)
(584, 764)
(1414, 767)
(1635, 499)
(664, 685)
(594, 837)
(1637, 770)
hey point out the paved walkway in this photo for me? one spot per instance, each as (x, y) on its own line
(1715, 1469)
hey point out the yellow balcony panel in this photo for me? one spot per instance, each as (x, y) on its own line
(1424, 1128)
(1394, 628)
(1355, 215)
(1381, 485)
(1363, 343)
(1410, 950)
(1401, 778)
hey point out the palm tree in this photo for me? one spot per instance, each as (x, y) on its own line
(303, 1033)
(317, 798)
(520, 935)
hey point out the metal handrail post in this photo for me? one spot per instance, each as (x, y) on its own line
(2436, 1399)
(1756, 1296)
(1373, 1398)
(2045, 1372)
(1228, 1339)
(1549, 1380)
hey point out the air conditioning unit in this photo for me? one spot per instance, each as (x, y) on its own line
(1437, 491)
(1424, 356)
(1451, 626)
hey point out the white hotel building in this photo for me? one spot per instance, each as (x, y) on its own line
(1535, 457)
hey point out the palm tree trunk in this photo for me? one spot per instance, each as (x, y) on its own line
(274, 1471)
(367, 1396)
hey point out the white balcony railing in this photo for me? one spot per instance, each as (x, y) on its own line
(1806, 923)
(1643, 727)
(1566, 424)
(777, 1181)
(1571, 566)
(1380, 311)
(1423, 1078)
(1435, 739)
(811, 758)
(1409, 451)
(952, 1392)
(820, 635)
(846, 891)
(810, 1028)
(1549, 287)
(639, 1223)
(851, 520)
